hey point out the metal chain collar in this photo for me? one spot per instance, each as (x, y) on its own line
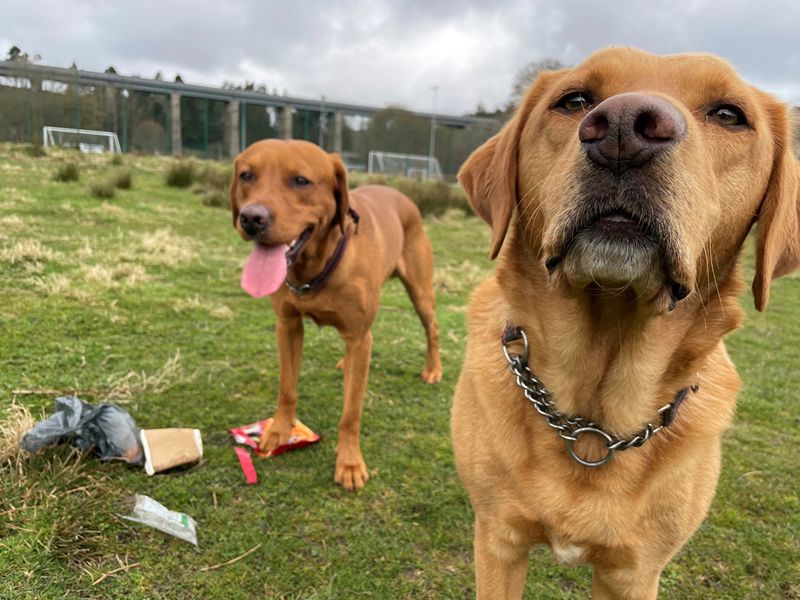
(571, 428)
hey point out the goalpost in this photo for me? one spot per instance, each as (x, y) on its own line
(86, 140)
(416, 166)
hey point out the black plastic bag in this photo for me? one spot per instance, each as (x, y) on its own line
(107, 428)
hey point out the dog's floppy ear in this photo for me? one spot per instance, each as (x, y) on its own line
(778, 229)
(489, 176)
(234, 187)
(340, 190)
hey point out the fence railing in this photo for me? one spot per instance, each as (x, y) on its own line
(154, 116)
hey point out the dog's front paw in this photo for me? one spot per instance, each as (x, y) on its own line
(277, 434)
(351, 475)
(433, 375)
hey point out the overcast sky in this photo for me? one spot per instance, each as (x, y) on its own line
(381, 52)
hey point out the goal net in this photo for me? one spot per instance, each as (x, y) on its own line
(85, 140)
(415, 166)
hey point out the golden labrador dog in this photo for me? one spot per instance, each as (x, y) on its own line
(322, 252)
(596, 385)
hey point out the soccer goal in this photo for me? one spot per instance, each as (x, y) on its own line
(85, 140)
(416, 166)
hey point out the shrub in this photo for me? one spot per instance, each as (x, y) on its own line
(67, 172)
(431, 197)
(180, 174)
(103, 189)
(122, 179)
(116, 160)
(216, 198)
(216, 177)
(34, 151)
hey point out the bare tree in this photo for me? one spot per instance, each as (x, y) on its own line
(528, 73)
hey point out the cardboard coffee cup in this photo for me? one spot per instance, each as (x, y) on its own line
(168, 448)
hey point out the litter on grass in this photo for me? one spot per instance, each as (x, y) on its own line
(168, 448)
(299, 437)
(107, 428)
(152, 513)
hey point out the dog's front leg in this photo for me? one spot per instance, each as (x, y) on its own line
(501, 565)
(289, 332)
(638, 582)
(351, 471)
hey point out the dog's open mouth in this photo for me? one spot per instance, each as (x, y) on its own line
(266, 267)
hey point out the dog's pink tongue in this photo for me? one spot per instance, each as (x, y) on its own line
(265, 270)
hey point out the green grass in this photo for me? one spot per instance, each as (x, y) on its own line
(138, 301)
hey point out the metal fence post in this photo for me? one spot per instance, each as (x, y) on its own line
(77, 101)
(205, 128)
(28, 127)
(243, 126)
(124, 93)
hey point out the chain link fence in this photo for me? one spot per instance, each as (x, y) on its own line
(217, 123)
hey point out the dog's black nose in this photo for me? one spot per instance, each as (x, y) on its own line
(627, 130)
(254, 219)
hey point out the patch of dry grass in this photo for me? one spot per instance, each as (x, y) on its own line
(17, 422)
(27, 484)
(122, 388)
(11, 222)
(107, 209)
(121, 274)
(454, 278)
(86, 250)
(195, 303)
(165, 247)
(30, 251)
(14, 195)
(55, 284)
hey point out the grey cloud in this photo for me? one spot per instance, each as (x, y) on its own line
(382, 52)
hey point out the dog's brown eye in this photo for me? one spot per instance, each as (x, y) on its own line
(575, 101)
(300, 181)
(246, 176)
(727, 116)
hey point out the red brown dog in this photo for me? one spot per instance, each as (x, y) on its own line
(323, 252)
(619, 198)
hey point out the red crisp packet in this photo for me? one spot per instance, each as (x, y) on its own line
(249, 435)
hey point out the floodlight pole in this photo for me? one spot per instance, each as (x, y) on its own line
(321, 122)
(432, 147)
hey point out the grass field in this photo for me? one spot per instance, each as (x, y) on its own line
(136, 299)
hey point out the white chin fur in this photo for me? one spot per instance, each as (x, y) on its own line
(613, 264)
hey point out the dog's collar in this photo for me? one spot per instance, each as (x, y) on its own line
(320, 280)
(571, 428)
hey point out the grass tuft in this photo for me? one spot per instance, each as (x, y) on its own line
(165, 247)
(180, 174)
(113, 276)
(433, 198)
(121, 389)
(67, 172)
(30, 251)
(216, 198)
(102, 189)
(17, 422)
(122, 179)
(34, 151)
